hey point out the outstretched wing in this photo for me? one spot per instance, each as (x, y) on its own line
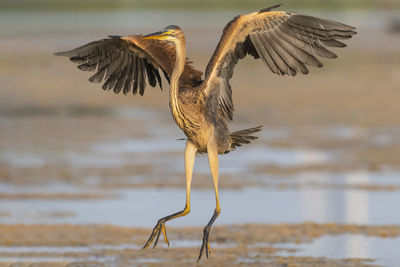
(122, 62)
(286, 42)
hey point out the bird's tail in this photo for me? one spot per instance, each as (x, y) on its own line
(243, 137)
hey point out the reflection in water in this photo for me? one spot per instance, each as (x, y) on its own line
(357, 201)
(334, 205)
(351, 178)
(315, 203)
(382, 250)
(347, 205)
(355, 245)
(295, 206)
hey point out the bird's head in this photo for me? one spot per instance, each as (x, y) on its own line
(171, 33)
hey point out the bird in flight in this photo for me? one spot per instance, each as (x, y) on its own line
(202, 105)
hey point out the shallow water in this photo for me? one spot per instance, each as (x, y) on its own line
(142, 207)
(57, 259)
(43, 22)
(57, 253)
(64, 249)
(383, 251)
(323, 196)
(165, 151)
(352, 178)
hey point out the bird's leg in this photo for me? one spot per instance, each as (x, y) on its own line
(190, 153)
(212, 151)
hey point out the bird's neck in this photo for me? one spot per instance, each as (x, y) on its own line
(179, 66)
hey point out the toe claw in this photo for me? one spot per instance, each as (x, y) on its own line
(205, 246)
(160, 227)
(155, 234)
(158, 236)
(150, 238)
(164, 231)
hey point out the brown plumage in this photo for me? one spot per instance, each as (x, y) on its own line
(286, 42)
(122, 62)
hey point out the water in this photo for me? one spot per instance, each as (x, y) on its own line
(356, 179)
(57, 259)
(66, 249)
(248, 205)
(40, 22)
(383, 251)
(324, 196)
(116, 153)
(65, 29)
(94, 252)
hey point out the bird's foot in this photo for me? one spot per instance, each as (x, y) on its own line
(206, 243)
(160, 227)
(206, 233)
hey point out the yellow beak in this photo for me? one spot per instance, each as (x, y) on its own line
(157, 35)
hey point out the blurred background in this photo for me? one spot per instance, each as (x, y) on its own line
(73, 154)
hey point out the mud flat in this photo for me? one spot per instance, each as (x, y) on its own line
(256, 245)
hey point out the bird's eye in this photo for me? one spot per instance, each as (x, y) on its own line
(172, 32)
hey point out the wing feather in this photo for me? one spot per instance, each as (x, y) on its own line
(261, 50)
(114, 72)
(286, 42)
(128, 82)
(150, 75)
(123, 62)
(286, 50)
(135, 76)
(122, 77)
(276, 55)
(142, 81)
(308, 47)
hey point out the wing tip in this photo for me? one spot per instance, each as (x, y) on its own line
(60, 53)
(267, 9)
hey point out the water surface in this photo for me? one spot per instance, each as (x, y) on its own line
(143, 207)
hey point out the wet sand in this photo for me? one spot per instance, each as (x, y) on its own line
(95, 166)
(253, 245)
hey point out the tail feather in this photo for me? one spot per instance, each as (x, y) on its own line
(243, 137)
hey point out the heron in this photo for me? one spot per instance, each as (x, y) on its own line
(202, 106)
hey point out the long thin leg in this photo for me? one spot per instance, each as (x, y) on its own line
(212, 151)
(190, 154)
